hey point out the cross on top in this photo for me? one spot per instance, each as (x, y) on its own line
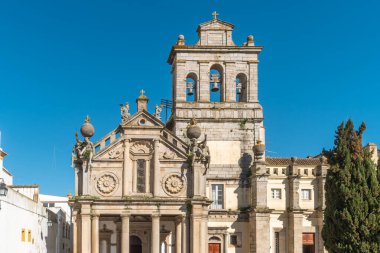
(215, 14)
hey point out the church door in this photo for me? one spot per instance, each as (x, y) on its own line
(214, 248)
(135, 245)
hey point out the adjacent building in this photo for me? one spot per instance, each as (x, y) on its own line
(26, 224)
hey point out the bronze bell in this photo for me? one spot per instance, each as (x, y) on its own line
(215, 87)
(239, 87)
(190, 90)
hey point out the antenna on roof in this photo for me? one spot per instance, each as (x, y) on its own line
(168, 105)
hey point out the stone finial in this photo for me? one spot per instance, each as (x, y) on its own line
(250, 41)
(259, 150)
(181, 40)
(323, 160)
(142, 101)
(87, 129)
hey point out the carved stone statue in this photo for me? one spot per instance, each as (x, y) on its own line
(124, 111)
(84, 150)
(158, 111)
(198, 151)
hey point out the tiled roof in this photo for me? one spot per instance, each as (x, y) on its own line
(286, 161)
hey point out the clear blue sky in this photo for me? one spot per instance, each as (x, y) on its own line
(62, 60)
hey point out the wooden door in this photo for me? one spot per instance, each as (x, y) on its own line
(214, 248)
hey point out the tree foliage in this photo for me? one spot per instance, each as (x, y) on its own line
(352, 214)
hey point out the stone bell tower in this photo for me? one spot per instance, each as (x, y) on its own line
(216, 82)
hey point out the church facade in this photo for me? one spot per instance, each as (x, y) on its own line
(201, 182)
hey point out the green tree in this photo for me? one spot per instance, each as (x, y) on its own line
(352, 214)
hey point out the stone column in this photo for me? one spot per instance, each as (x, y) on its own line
(75, 231)
(259, 217)
(118, 236)
(86, 233)
(178, 234)
(155, 245)
(127, 169)
(185, 236)
(125, 233)
(156, 180)
(204, 233)
(95, 233)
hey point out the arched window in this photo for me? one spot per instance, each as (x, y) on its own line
(216, 83)
(241, 88)
(191, 87)
(214, 238)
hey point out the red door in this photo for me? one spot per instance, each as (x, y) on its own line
(214, 248)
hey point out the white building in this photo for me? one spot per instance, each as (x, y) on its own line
(59, 225)
(24, 221)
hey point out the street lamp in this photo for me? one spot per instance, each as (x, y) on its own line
(3, 189)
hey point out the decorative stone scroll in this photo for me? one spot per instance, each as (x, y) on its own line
(115, 154)
(107, 183)
(174, 184)
(142, 147)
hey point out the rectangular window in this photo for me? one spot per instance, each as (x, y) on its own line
(306, 194)
(141, 171)
(276, 193)
(217, 196)
(29, 235)
(23, 235)
(277, 242)
(233, 240)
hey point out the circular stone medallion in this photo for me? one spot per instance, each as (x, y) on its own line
(174, 184)
(106, 183)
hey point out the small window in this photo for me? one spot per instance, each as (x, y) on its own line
(277, 242)
(108, 141)
(141, 172)
(29, 235)
(283, 171)
(217, 196)
(45, 204)
(306, 172)
(275, 171)
(276, 193)
(23, 235)
(233, 240)
(306, 194)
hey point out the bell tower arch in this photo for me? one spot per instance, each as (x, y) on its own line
(216, 82)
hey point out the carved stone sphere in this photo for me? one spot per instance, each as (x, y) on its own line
(259, 148)
(193, 132)
(181, 37)
(87, 130)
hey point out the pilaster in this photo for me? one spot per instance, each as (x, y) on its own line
(125, 233)
(157, 172)
(155, 233)
(95, 233)
(127, 169)
(253, 81)
(204, 81)
(230, 82)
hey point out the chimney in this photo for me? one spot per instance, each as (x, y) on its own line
(142, 101)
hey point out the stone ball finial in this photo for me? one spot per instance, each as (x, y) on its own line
(181, 40)
(250, 41)
(193, 130)
(87, 129)
(259, 150)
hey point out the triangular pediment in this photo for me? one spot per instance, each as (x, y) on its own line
(215, 24)
(172, 150)
(142, 119)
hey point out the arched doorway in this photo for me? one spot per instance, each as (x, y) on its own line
(135, 245)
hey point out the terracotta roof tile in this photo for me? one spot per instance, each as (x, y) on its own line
(286, 161)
